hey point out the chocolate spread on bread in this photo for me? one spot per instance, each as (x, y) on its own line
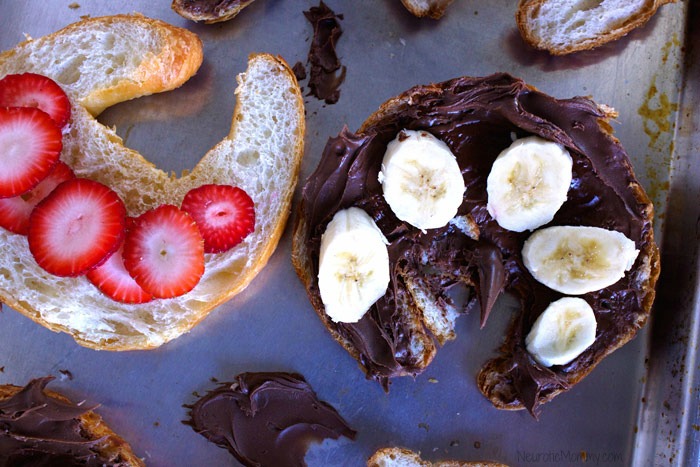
(36, 429)
(267, 418)
(324, 79)
(478, 118)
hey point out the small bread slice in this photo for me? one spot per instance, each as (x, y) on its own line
(562, 26)
(400, 457)
(209, 11)
(431, 8)
(108, 444)
(102, 61)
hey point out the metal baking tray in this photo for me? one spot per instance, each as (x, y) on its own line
(639, 407)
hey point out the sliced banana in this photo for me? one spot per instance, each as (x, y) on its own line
(421, 179)
(353, 270)
(562, 332)
(528, 183)
(577, 260)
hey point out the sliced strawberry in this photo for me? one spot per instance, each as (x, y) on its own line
(76, 227)
(164, 252)
(30, 143)
(15, 211)
(32, 90)
(223, 213)
(113, 280)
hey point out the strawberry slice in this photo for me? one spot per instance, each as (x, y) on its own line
(223, 213)
(164, 252)
(76, 227)
(15, 211)
(113, 280)
(30, 143)
(32, 90)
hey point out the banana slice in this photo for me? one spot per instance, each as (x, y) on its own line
(528, 183)
(421, 180)
(562, 332)
(577, 260)
(353, 270)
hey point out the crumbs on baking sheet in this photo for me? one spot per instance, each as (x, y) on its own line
(74, 5)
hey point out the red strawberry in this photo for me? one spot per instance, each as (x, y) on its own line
(30, 143)
(113, 280)
(164, 252)
(15, 211)
(223, 213)
(32, 90)
(76, 227)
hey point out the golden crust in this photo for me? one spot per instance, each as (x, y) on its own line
(112, 446)
(528, 8)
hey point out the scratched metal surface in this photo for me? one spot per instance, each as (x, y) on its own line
(640, 406)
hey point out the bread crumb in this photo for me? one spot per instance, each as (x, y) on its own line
(74, 5)
(432, 380)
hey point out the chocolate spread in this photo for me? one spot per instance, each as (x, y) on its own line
(36, 429)
(324, 81)
(267, 419)
(209, 11)
(478, 118)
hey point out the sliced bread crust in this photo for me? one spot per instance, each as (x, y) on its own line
(99, 62)
(562, 27)
(401, 457)
(434, 9)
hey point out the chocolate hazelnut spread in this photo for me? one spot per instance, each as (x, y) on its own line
(209, 11)
(267, 419)
(38, 430)
(324, 80)
(478, 118)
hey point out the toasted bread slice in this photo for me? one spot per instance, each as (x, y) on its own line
(400, 457)
(209, 12)
(110, 446)
(562, 27)
(479, 117)
(431, 8)
(102, 61)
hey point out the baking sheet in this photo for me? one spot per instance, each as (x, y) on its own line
(638, 407)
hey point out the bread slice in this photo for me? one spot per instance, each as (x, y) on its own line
(107, 443)
(431, 8)
(102, 61)
(209, 12)
(563, 26)
(400, 457)
(487, 113)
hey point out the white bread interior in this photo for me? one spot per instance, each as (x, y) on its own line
(102, 61)
(565, 26)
